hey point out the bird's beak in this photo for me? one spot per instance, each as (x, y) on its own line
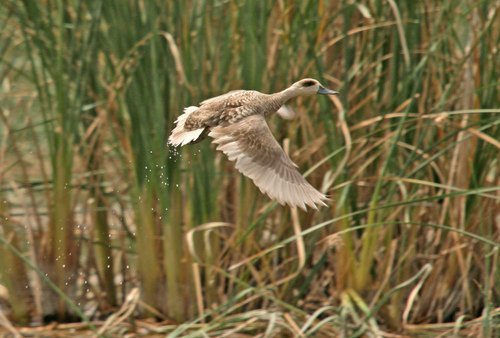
(326, 91)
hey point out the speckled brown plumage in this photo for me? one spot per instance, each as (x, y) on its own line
(231, 108)
(236, 122)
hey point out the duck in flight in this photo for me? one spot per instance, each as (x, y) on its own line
(237, 123)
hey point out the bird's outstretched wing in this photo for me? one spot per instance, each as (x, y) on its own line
(259, 156)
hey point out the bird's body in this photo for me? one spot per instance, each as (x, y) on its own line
(236, 122)
(232, 107)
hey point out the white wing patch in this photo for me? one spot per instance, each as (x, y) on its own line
(180, 136)
(286, 112)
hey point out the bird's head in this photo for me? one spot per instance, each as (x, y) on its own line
(310, 87)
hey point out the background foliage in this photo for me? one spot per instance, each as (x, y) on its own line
(93, 204)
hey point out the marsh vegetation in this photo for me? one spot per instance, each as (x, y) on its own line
(100, 219)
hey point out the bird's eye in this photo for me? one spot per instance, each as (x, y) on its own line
(308, 84)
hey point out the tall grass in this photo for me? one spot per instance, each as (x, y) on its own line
(408, 154)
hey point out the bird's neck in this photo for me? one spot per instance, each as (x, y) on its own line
(280, 98)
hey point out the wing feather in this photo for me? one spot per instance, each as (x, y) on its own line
(259, 156)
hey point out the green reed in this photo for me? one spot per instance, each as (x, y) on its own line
(407, 154)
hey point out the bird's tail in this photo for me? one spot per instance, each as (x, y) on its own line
(181, 136)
